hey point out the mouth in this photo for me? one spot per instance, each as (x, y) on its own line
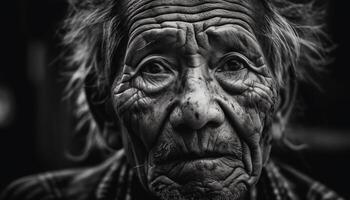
(197, 157)
(189, 167)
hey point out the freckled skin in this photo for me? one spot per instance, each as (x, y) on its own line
(195, 96)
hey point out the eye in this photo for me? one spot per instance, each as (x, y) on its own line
(231, 65)
(154, 68)
(154, 74)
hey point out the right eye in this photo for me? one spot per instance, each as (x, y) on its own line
(154, 68)
(154, 74)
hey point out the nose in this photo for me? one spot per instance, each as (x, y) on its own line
(197, 107)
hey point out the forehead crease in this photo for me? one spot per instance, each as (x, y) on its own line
(154, 39)
(215, 21)
(193, 18)
(204, 23)
(156, 9)
(153, 13)
(159, 37)
(227, 35)
(222, 32)
(232, 36)
(136, 6)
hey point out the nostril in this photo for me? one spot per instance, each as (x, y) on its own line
(183, 129)
(196, 115)
(196, 110)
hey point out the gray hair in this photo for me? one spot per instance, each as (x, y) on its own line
(292, 35)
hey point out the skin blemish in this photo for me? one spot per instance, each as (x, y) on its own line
(173, 130)
(196, 115)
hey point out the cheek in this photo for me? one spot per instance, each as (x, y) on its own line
(142, 114)
(261, 99)
(255, 104)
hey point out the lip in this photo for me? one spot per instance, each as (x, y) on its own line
(195, 157)
(206, 161)
(189, 167)
(200, 168)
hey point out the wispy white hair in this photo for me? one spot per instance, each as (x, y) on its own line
(292, 37)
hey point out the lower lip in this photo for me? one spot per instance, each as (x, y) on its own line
(209, 163)
(205, 159)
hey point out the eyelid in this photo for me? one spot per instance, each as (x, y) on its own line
(154, 83)
(158, 59)
(241, 57)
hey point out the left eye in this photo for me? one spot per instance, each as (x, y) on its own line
(231, 65)
(154, 68)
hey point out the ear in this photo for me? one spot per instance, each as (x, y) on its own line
(287, 99)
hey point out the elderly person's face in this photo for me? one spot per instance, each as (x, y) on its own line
(195, 97)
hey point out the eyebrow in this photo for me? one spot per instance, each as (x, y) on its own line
(235, 38)
(151, 42)
(229, 38)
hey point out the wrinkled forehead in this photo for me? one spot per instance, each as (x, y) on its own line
(143, 15)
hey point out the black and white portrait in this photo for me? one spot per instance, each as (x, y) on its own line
(174, 100)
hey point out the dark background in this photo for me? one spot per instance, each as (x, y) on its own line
(36, 123)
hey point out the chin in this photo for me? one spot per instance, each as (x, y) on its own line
(221, 177)
(188, 192)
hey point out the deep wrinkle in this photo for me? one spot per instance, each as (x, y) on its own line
(195, 108)
(190, 54)
(190, 6)
(154, 41)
